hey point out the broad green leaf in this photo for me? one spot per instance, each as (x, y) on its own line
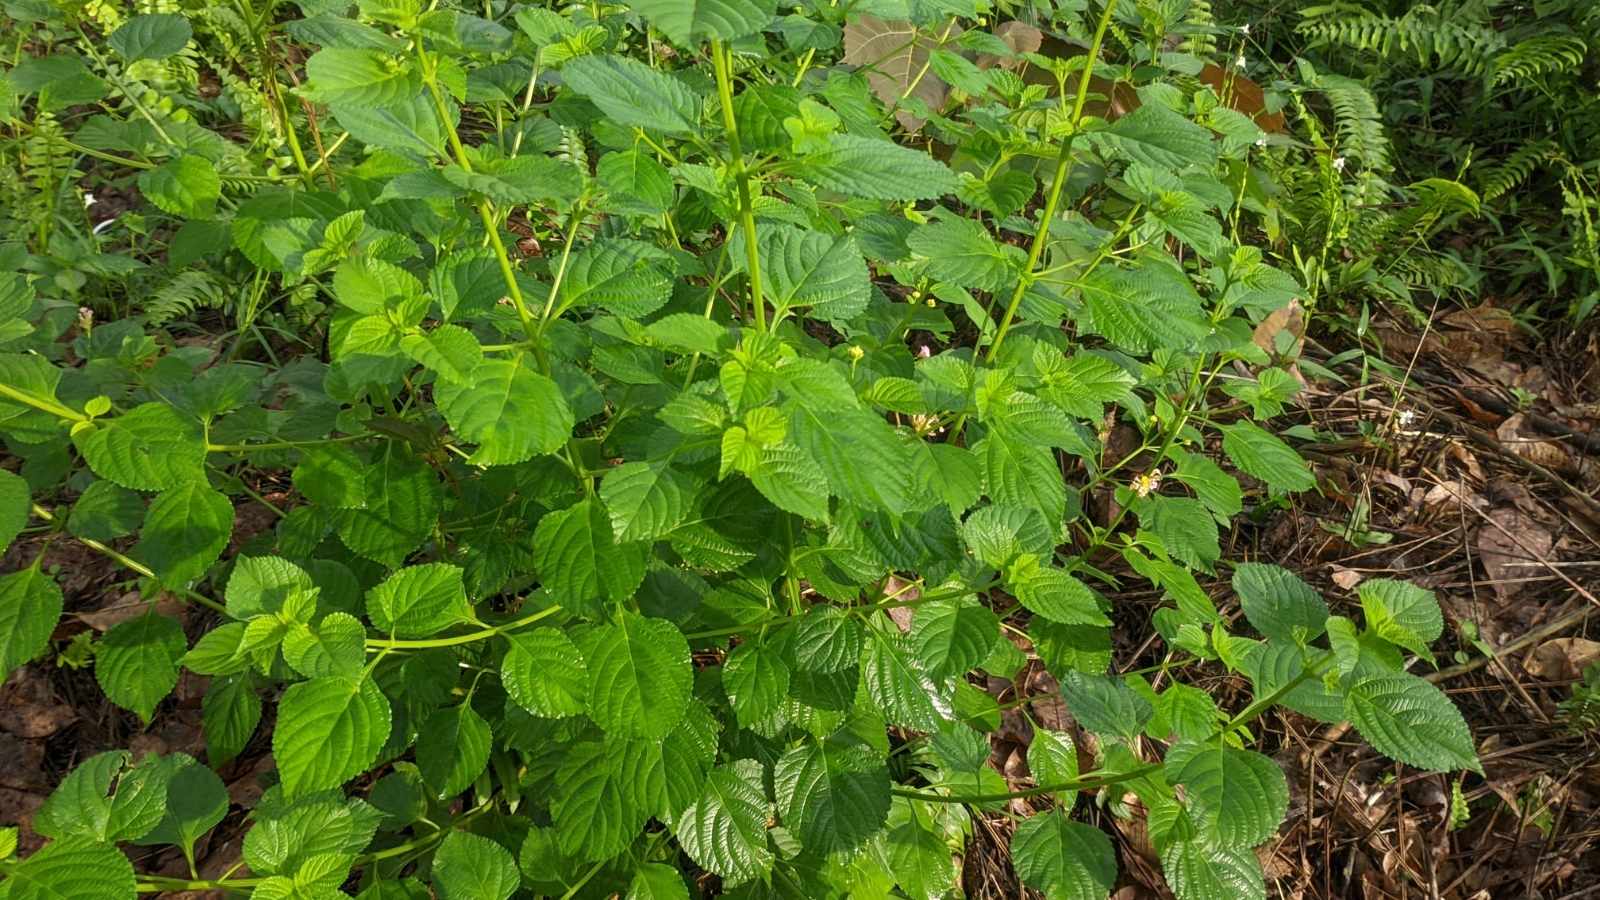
(137, 663)
(952, 637)
(545, 674)
(578, 560)
(522, 180)
(453, 749)
(645, 500)
(1218, 490)
(878, 170)
(809, 268)
(373, 287)
(152, 448)
(290, 833)
(1409, 720)
(1069, 648)
(1184, 526)
(187, 186)
(863, 459)
(1202, 869)
(629, 278)
(230, 712)
(920, 861)
(450, 351)
(185, 530)
(639, 676)
(633, 95)
(792, 480)
(510, 411)
(955, 474)
(156, 36)
(30, 607)
(361, 79)
(833, 797)
(1023, 474)
(755, 680)
(1158, 137)
(961, 252)
(725, 828)
(1054, 594)
(639, 185)
(472, 867)
(689, 22)
(106, 511)
(196, 801)
(1063, 859)
(1279, 604)
(1258, 452)
(337, 646)
(1402, 614)
(1238, 796)
(900, 688)
(15, 500)
(419, 601)
(1105, 706)
(261, 585)
(657, 881)
(332, 475)
(602, 795)
(1148, 308)
(329, 731)
(403, 497)
(1053, 760)
(1081, 384)
(73, 868)
(828, 639)
(411, 125)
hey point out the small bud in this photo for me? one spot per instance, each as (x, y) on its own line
(85, 318)
(855, 353)
(924, 352)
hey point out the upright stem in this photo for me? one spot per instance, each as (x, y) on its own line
(1053, 198)
(722, 61)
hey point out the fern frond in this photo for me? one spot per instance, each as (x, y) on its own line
(186, 292)
(1499, 179)
(1540, 56)
(1454, 34)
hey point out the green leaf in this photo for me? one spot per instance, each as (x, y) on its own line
(639, 184)
(755, 680)
(1105, 706)
(545, 674)
(403, 497)
(639, 676)
(1215, 488)
(419, 601)
(861, 456)
(522, 180)
(1067, 648)
(188, 186)
(336, 647)
(449, 351)
(152, 448)
(645, 500)
(329, 731)
(1184, 526)
(30, 607)
(833, 797)
(1260, 453)
(578, 561)
(15, 501)
(453, 749)
(628, 278)
(265, 584)
(196, 801)
(1148, 308)
(656, 881)
(1080, 384)
(961, 252)
(155, 36)
(107, 799)
(725, 828)
(1402, 614)
(1409, 720)
(1053, 760)
(689, 22)
(361, 79)
(1054, 594)
(1279, 604)
(73, 869)
(898, 686)
(791, 480)
(1238, 796)
(633, 95)
(185, 530)
(827, 640)
(373, 287)
(472, 867)
(230, 712)
(920, 861)
(1201, 869)
(1063, 859)
(331, 475)
(106, 511)
(1160, 138)
(510, 411)
(878, 170)
(602, 796)
(1023, 474)
(952, 637)
(137, 663)
(809, 268)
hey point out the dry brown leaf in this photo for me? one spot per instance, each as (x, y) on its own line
(1511, 554)
(1346, 578)
(1291, 319)
(36, 720)
(1562, 659)
(117, 610)
(1020, 37)
(893, 56)
(1520, 437)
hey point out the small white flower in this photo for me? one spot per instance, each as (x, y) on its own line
(88, 200)
(1261, 142)
(1239, 62)
(1145, 485)
(1244, 29)
(1407, 416)
(1338, 163)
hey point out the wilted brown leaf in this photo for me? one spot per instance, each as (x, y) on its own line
(1508, 550)
(895, 59)
(1562, 659)
(1520, 437)
(117, 610)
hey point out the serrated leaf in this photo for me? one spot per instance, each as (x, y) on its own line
(961, 252)
(521, 180)
(833, 797)
(602, 795)
(905, 693)
(1160, 138)
(336, 647)
(755, 680)
(30, 606)
(137, 663)
(1185, 527)
(878, 170)
(1201, 869)
(402, 505)
(645, 500)
(450, 351)
(862, 458)
(633, 95)
(361, 79)
(1258, 452)
(185, 530)
(1081, 384)
(1409, 720)
(689, 22)
(152, 448)
(1053, 760)
(792, 480)
(73, 869)
(1054, 594)
(155, 36)
(196, 801)
(578, 560)
(725, 828)
(105, 512)
(952, 637)
(1402, 614)
(1279, 604)
(1144, 309)
(629, 278)
(472, 867)
(1063, 859)
(1105, 706)
(419, 601)
(329, 731)
(452, 749)
(331, 475)
(510, 411)
(545, 674)
(188, 186)
(230, 712)
(1218, 490)
(809, 268)
(828, 639)
(639, 676)
(1238, 796)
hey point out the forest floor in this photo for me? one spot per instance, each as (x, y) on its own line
(1477, 482)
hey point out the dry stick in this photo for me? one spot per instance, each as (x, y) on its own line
(1483, 438)
(1533, 637)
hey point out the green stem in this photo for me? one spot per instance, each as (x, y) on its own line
(382, 644)
(138, 567)
(285, 445)
(47, 404)
(1053, 198)
(722, 61)
(1076, 784)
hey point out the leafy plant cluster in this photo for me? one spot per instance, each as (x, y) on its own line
(625, 376)
(1480, 117)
